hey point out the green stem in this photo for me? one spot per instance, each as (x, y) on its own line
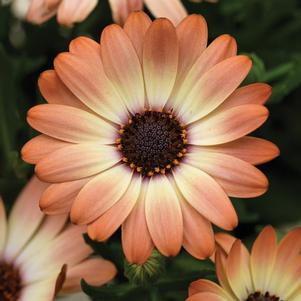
(278, 72)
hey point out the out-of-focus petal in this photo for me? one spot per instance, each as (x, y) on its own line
(95, 271)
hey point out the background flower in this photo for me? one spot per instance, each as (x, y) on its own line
(269, 272)
(34, 248)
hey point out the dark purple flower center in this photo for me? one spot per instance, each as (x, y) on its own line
(263, 297)
(152, 142)
(10, 282)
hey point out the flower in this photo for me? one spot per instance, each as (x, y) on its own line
(270, 273)
(147, 131)
(39, 11)
(35, 247)
(74, 11)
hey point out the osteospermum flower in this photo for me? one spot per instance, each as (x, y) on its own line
(147, 130)
(271, 272)
(34, 248)
(73, 11)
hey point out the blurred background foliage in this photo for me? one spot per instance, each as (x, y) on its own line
(269, 31)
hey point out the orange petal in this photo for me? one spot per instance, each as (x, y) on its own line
(58, 198)
(110, 221)
(238, 271)
(192, 34)
(250, 149)
(136, 26)
(163, 216)
(38, 12)
(208, 198)
(25, 215)
(100, 194)
(122, 66)
(160, 62)
(82, 72)
(73, 11)
(198, 234)
(122, 8)
(55, 92)
(3, 226)
(70, 124)
(228, 125)
(257, 93)
(204, 285)
(263, 255)
(206, 297)
(136, 240)
(238, 178)
(174, 10)
(221, 273)
(95, 271)
(225, 241)
(214, 87)
(220, 49)
(39, 147)
(76, 162)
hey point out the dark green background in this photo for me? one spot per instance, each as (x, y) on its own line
(269, 31)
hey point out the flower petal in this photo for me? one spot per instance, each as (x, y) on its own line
(204, 285)
(221, 273)
(137, 245)
(38, 12)
(100, 194)
(257, 93)
(82, 72)
(198, 234)
(164, 216)
(25, 215)
(193, 35)
(41, 290)
(228, 125)
(122, 8)
(73, 11)
(208, 198)
(95, 271)
(262, 259)
(250, 149)
(3, 226)
(136, 26)
(207, 297)
(238, 271)
(238, 178)
(55, 92)
(220, 49)
(174, 10)
(160, 62)
(122, 66)
(68, 248)
(49, 229)
(70, 124)
(39, 147)
(110, 221)
(58, 198)
(225, 241)
(214, 87)
(76, 162)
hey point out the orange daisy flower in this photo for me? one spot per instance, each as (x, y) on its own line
(147, 130)
(272, 272)
(34, 248)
